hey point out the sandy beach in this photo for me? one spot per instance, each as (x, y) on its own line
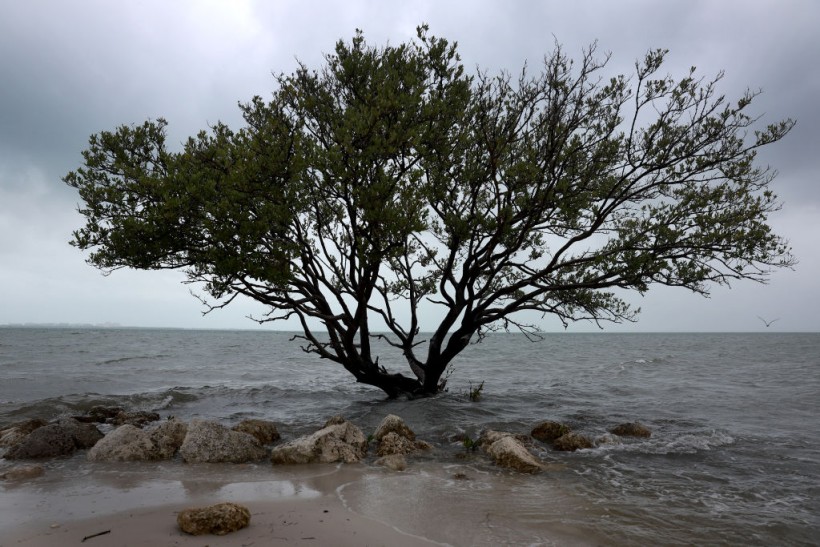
(135, 504)
(317, 521)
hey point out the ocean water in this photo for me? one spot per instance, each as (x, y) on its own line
(734, 458)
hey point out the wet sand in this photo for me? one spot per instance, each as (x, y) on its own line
(432, 503)
(317, 521)
(134, 504)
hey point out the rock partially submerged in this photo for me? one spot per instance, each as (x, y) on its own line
(210, 442)
(507, 450)
(560, 436)
(393, 436)
(84, 435)
(60, 438)
(393, 424)
(116, 415)
(206, 442)
(338, 441)
(139, 418)
(631, 429)
(48, 441)
(100, 414)
(572, 441)
(264, 430)
(489, 436)
(35, 439)
(130, 443)
(219, 519)
(168, 437)
(127, 443)
(394, 462)
(22, 472)
(393, 443)
(13, 434)
(547, 431)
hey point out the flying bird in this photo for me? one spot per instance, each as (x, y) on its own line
(767, 323)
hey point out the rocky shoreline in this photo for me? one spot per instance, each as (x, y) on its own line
(144, 436)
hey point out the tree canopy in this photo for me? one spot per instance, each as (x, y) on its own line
(391, 180)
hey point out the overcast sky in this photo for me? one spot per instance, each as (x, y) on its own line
(72, 68)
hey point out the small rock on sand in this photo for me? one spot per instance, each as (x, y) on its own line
(219, 519)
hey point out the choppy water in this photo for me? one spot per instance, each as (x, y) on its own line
(734, 458)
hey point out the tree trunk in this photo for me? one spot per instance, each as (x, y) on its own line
(397, 385)
(394, 385)
(432, 379)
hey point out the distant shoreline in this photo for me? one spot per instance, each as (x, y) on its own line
(65, 325)
(117, 326)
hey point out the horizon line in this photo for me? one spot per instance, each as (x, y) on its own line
(116, 326)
